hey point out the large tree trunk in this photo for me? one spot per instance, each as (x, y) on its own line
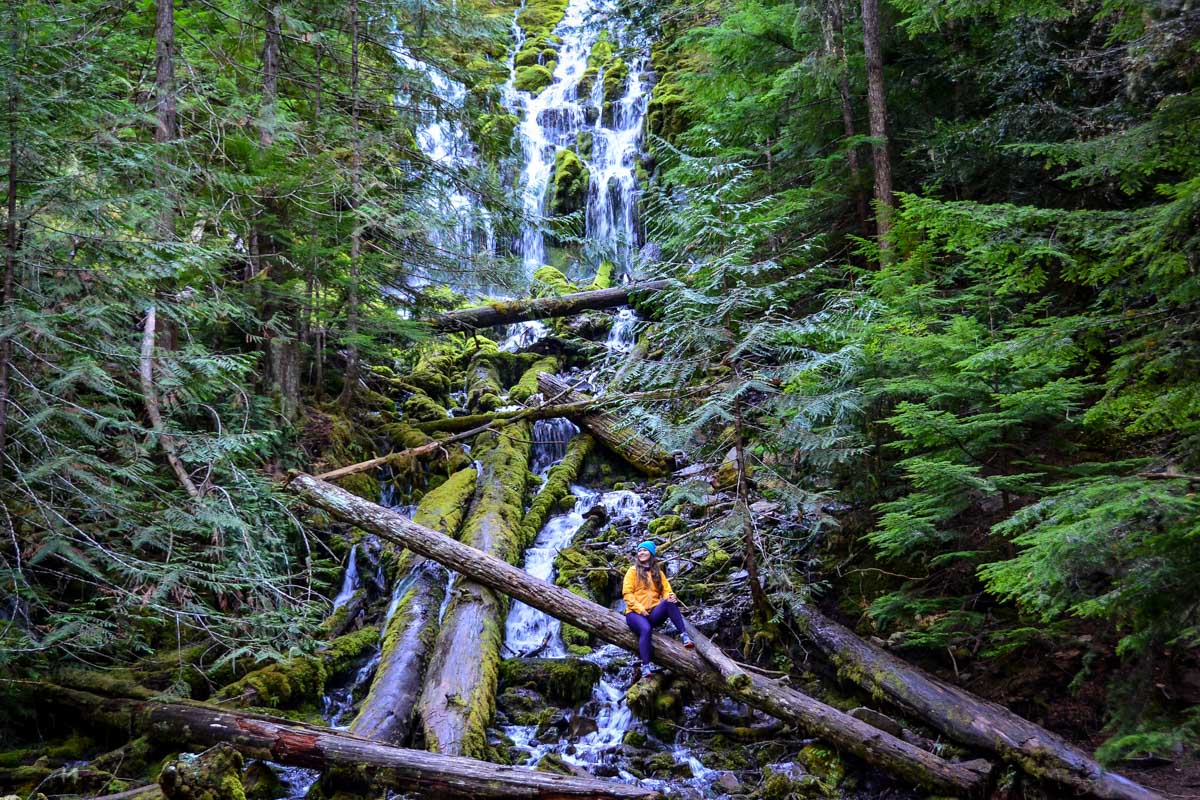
(869, 743)
(386, 714)
(620, 437)
(10, 255)
(459, 696)
(350, 377)
(503, 312)
(963, 716)
(300, 744)
(836, 43)
(877, 112)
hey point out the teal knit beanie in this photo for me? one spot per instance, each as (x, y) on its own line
(649, 545)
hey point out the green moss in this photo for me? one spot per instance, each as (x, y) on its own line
(569, 187)
(566, 681)
(301, 679)
(604, 276)
(443, 508)
(527, 386)
(533, 79)
(423, 408)
(665, 527)
(496, 134)
(823, 762)
(615, 78)
(483, 385)
(634, 739)
(540, 17)
(549, 280)
(557, 486)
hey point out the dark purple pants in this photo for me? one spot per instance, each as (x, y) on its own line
(643, 626)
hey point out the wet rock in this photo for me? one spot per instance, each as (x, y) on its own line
(556, 765)
(605, 771)
(515, 701)
(764, 507)
(261, 782)
(591, 325)
(728, 783)
(787, 781)
(215, 774)
(553, 722)
(561, 680)
(581, 726)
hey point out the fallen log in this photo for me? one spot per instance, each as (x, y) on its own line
(620, 437)
(304, 745)
(503, 312)
(963, 716)
(557, 486)
(386, 714)
(459, 696)
(470, 421)
(863, 740)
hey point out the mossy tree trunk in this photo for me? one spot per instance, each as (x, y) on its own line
(964, 717)
(871, 744)
(459, 696)
(386, 714)
(504, 312)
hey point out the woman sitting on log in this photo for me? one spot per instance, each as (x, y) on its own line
(649, 602)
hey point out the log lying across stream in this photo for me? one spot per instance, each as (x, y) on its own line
(619, 436)
(963, 716)
(503, 312)
(300, 744)
(871, 744)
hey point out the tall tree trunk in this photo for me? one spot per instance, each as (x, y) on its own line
(166, 123)
(350, 378)
(877, 108)
(761, 604)
(836, 43)
(10, 249)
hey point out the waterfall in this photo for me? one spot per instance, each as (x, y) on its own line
(605, 134)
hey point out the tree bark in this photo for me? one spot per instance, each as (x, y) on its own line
(762, 605)
(877, 109)
(863, 740)
(350, 378)
(473, 421)
(963, 716)
(386, 714)
(459, 696)
(150, 397)
(10, 255)
(503, 312)
(620, 437)
(837, 46)
(300, 744)
(164, 104)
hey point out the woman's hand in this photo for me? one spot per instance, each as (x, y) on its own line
(671, 598)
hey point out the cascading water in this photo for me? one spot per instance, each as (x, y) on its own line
(556, 117)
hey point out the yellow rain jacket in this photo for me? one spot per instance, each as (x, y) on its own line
(641, 598)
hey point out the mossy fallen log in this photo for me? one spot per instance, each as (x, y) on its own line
(781, 701)
(459, 696)
(484, 392)
(470, 421)
(963, 716)
(619, 436)
(527, 386)
(557, 486)
(299, 680)
(386, 713)
(299, 744)
(504, 312)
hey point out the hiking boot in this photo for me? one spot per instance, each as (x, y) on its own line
(687, 640)
(648, 670)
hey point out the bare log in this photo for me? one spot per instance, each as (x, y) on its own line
(301, 744)
(503, 312)
(386, 714)
(150, 399)
(963, 716)
(863, 740)
(459, 696)
(620, 437)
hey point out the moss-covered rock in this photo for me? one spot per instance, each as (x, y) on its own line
(666, 527)
(527, 386)
(420, 407)
(215, 774)
(822, 761)
(549, 281)
(261, 783)
(533, 78)
(566, 681)
(569, 186)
